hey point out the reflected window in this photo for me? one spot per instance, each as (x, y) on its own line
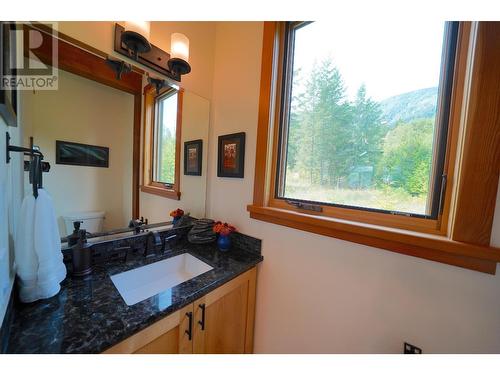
(165, 130)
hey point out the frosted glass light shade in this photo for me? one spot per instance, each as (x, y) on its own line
(179, 47)
(140, 27)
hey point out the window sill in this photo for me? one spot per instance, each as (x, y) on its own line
(162, 192)
(428, 246)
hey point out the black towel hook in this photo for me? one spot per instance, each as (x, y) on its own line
(35, 166)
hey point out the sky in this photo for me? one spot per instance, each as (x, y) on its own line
(390, 58)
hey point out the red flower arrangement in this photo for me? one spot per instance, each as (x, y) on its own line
(224, 229)
(177, 213)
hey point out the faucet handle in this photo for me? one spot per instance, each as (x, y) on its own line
(153, 242)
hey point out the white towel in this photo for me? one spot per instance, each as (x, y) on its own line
(24, 251)
(38, 249)
(51, 269)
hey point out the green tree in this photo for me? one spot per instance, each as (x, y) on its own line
(320, 126)
(407, 154)
(367, 129)
(167, 157)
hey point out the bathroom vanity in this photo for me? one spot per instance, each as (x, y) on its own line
(209, 313)
(219, 322)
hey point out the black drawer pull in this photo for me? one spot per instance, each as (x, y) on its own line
(189, 331)
(202, 321)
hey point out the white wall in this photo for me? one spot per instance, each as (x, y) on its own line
(87, 112)
(317, 294)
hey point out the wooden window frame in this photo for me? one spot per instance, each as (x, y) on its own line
(461, 234)
(150, 109)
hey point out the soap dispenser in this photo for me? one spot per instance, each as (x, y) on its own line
(81, 253)
(73, 237)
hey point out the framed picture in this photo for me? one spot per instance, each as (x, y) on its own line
(193, 155)
(8, 93)
(71, 153)
(231, 155)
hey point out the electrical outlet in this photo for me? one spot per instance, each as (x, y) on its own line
(411, 349)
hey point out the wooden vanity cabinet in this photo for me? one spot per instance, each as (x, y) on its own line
(220, 322)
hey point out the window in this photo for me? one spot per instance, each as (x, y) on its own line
(382, 134)
(162, 131)
(365, 116)
(164, 139)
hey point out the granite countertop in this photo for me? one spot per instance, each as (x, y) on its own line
(89, 315)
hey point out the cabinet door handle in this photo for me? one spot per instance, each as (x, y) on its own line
(190, 328)
(202, 321)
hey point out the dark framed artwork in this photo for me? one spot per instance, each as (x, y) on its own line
(8, 93)
(71, 153)
(231, 155)
(193, 155)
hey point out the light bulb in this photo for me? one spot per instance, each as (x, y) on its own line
(179, 47)
(140, 27)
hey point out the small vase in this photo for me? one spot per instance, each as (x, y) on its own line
(224, 242)
(176, 220)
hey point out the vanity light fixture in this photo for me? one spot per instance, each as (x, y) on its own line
(135, 38)
(119, 67)
(157, 83)
(179, 54)
(132, 41)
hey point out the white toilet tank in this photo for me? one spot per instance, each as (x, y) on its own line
(91, 221)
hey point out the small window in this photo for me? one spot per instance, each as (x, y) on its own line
(364, 116)
(162, 132)
(165, 139)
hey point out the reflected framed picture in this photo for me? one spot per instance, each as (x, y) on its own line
(231, 155)
(193, 155)
(71, 153)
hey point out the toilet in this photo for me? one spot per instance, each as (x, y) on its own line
(91, 221)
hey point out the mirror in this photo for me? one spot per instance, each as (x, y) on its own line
(85, 130)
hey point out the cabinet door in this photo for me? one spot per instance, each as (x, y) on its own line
(167, 336)
(224, 318)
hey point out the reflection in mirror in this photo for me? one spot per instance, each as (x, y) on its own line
(156, 201)
(86, 112)
(98, 117)
(165, 138)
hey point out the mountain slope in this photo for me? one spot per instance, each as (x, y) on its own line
(410, 105)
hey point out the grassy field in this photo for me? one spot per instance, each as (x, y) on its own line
(385, 199)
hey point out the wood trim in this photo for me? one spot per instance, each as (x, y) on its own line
(455, 124)
(136, 155)
(161, 191)
(178, 142)
(85, 64)
(88, 62)
(429, 239)
(431, 247)
(65, 37)
(148, 185)
(145, 336)
(268, 46)
(479, 171)
(252, 289)
(376, 218)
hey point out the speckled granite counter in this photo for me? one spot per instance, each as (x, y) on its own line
(89, 315)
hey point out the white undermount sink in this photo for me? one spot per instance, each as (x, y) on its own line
(138, 284)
